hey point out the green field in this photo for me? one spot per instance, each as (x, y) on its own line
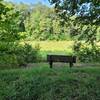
(52, 45)
(43, 83)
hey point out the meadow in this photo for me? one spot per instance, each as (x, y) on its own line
(52, 45)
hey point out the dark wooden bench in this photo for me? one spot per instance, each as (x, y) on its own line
(61, 58)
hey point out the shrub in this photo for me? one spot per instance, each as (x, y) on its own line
(7, 60)
(15, 54)
(29, 53)
(86, 53)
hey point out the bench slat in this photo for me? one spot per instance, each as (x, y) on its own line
(60, 58)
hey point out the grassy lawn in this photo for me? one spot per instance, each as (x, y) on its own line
(52, 45)
(43, 83)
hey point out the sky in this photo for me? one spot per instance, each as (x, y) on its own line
(46, 2)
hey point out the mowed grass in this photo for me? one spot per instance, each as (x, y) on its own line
(52, 45)
(43, 83)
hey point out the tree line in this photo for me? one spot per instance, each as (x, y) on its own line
(40, 22)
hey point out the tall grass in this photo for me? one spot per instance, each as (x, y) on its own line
(43, 83)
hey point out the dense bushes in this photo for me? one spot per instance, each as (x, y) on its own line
(89, 54)
(8, 60)
(14, 54)
(86, 53)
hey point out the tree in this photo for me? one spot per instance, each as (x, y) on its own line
(9, 26)
(82, 13)
(44, 24)
(86, 12)
(12, 30)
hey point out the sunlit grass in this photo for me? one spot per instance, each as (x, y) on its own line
(52, 45)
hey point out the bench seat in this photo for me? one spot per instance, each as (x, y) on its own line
(61, 58)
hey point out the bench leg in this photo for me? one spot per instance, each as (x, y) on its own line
(50, 64)
(71, 65)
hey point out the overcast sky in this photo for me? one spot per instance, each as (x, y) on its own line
(31, 1)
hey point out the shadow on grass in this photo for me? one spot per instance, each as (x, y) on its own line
(61, 65)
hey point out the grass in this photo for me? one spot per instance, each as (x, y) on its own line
(52, 45)
(43, 83)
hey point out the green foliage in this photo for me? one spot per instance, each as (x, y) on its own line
(11, 32)
(7, 61)
(39, 22)
(43, 24)
(83, 23)
(87, 53)
(30, 54)
(43, 83)
(72, 6)
(9, 23)
(89, 33)
(17, 55)
(98, 34)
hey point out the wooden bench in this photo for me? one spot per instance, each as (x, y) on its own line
(61, 58)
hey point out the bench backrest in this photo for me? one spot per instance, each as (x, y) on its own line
(61, 58)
